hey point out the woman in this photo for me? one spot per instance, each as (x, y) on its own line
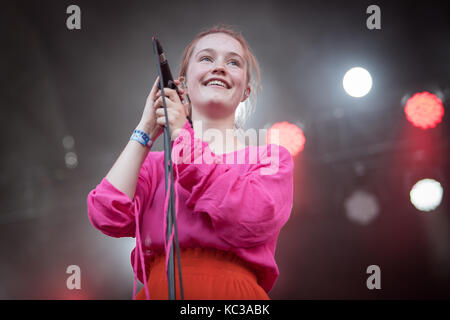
(229, 215)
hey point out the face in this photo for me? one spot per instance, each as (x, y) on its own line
(218, 57)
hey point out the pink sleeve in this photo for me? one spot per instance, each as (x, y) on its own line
(111, 211)
(246, 209)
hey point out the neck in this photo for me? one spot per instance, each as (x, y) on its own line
(218, 133)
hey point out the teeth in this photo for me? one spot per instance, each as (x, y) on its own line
(220, 83)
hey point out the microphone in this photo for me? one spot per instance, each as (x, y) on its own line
(165, 70)
(166, 75)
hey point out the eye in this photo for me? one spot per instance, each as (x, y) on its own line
(236, 63)
(205, 57)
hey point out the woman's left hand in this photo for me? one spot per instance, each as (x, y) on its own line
(176, 111)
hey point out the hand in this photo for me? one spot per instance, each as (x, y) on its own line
(177, 111)
(149, 121)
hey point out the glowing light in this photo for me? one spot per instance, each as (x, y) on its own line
(357, 82)
(68, 142)
(287, 135)
(71, 160)
(361, 207)
(424, 110)
(426, 194)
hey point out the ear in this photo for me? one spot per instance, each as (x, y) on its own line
(183, 86)
(246, 94)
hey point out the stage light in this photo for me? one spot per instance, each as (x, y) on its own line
(424, 110)
(361, 207)
(426, 194)
(357, 82)
(68, 142)
(71, 160)
(287, 135)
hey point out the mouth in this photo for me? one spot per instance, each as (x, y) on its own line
(217, 83)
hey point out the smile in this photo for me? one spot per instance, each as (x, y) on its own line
(216, 86)
(217, 83)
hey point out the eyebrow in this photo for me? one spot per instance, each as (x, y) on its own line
(214, 51)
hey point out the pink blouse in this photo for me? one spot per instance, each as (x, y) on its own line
(236, 202)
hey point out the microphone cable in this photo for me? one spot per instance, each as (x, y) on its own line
(168, 168)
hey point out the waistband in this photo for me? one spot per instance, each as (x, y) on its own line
(206, 260)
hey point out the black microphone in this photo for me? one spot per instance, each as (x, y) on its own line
(166, 75)
(165, 70)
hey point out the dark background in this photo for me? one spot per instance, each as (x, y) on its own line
(92, 83)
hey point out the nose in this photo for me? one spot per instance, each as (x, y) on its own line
(219, 68)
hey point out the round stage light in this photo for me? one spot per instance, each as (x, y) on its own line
(287, 135)
(426, 194)
(361, 207)
(357, 82)
(424, 110)
(71, 160)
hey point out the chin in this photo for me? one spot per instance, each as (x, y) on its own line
(216, 107)
(214, 100)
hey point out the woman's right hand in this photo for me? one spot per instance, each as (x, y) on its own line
(148, 121)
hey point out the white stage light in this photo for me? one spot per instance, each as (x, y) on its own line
(426, 194)
(357, 82)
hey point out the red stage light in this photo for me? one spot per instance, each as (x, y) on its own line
(424, 110)
(289, 136)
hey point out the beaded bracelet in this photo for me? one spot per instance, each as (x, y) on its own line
(142, 137)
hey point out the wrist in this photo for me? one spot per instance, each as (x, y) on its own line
(142, 137)
(144, 127)
(152, 133)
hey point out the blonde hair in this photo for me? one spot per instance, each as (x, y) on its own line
(243, 111)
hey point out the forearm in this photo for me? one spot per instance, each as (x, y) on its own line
(124, 173)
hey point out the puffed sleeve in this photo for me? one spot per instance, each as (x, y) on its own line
(246, 209)
(111, 211)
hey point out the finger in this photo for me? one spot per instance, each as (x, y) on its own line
(166, 92)
(159, 103)
(177, 96)
(160, 111)
(162, 120)
(171, 95)
(171, 114)
(186, 108)
(154, 88)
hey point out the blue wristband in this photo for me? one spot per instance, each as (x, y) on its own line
(142, 137)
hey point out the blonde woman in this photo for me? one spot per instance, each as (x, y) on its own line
(229, 215)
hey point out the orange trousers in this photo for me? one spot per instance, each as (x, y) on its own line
(207, 274)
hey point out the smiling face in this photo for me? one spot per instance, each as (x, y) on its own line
(219, 57)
